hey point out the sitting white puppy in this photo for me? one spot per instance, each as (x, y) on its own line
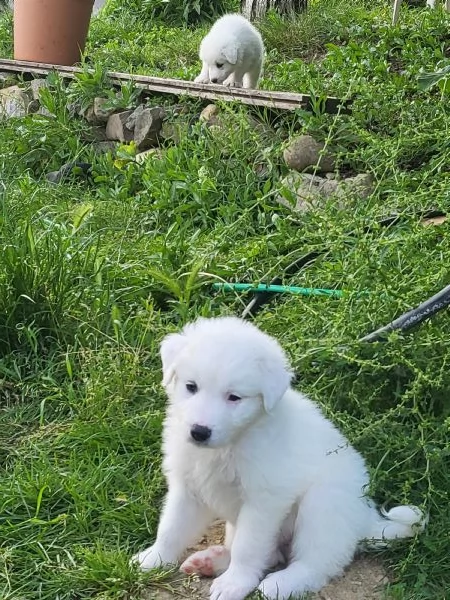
(232, 53)
(240, 444)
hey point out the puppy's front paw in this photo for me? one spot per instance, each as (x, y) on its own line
(148, 559)
(284, 584)
(233, 585)
(230, 81)
(201, 79)
(270, 587)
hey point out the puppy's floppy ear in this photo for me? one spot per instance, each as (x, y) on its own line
(171, 346)
(275, 380)
(230, 53)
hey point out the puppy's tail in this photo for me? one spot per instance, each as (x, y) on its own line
(399, 522)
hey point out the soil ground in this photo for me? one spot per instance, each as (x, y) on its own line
(363, 580)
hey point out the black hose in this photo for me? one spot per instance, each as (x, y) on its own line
(413, 317)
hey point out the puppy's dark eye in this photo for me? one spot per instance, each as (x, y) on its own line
(191, 387)
(234, 398)
(219, 65)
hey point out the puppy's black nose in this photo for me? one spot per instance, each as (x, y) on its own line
(200, 433)
(214, 80)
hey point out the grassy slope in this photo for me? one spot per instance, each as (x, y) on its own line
(92, 276)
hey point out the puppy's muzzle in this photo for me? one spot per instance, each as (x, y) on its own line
(200, 433)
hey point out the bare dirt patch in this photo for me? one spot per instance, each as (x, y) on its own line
(363, 580)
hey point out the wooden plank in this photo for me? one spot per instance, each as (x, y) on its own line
(177, 87)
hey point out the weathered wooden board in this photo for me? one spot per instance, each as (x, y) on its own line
(176, 87)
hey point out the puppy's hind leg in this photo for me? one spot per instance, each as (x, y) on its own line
(212, 561)
(329, 524)
(251, 78)
(215, 560)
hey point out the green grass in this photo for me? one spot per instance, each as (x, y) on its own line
(94, 274)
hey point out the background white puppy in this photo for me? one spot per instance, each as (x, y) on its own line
(232, 53)
(241, 445)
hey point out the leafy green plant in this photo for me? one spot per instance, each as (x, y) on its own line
(188, 11)
(441, 78)
(87, 85)
(174, 12)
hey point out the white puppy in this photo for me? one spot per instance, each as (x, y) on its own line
(241, 445)
(232, 53)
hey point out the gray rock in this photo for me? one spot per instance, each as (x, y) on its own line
(303, 152)
(148, 124)
(102, 111)
(87, 113)
(117, 127)
(44, 112)
(310, 191)
(134, 115)
(14, 102)
(36, 86)
(362, 185)
(209, 114)
(98, 112)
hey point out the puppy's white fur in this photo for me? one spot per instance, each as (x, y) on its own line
(232, 53)
(289, 485)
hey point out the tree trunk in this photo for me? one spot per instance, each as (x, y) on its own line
(255, 9)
